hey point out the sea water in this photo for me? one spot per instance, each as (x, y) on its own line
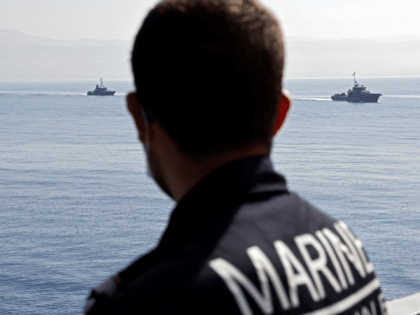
(76, 204)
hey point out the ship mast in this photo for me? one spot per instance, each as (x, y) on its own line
(354, 75)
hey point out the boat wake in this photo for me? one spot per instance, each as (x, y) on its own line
(42, 93)
(316, 99)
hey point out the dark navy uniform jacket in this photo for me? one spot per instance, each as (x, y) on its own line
(240, 243)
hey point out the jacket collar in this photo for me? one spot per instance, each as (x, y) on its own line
(221, 188)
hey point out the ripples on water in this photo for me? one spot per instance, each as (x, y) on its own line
(77, 206)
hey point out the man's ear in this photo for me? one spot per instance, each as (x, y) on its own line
(284, 106)
(135, 110)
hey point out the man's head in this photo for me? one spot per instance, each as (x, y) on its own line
(210, 73)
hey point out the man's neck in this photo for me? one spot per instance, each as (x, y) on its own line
(191, 172)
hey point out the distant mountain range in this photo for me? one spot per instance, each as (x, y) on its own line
(14, 37)
(24, 57)
(380, 56)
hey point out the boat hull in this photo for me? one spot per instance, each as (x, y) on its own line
(367, 98)
(102, 93)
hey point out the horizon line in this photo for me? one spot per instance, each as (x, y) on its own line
(284, 78)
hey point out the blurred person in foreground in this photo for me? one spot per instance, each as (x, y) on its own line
(208, 102)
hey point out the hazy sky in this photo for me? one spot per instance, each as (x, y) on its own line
(111, 19)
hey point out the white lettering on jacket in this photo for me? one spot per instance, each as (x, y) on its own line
(233, 277)
(327, 246)
(294, 279)
(317, 265)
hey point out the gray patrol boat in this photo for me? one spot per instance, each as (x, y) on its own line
(101, 90)
(358, 94)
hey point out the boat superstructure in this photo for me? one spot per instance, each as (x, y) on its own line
(101, 90)
(359, 94)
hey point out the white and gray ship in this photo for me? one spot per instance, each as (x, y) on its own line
(101, 90)
(358, 94)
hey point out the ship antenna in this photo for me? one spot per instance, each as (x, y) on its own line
(354, 75)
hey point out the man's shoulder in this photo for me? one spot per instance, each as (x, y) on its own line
(274, 253)
(281, 254)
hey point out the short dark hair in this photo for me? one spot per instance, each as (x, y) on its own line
(210, 72)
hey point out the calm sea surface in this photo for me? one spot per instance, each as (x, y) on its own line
(76, 204)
